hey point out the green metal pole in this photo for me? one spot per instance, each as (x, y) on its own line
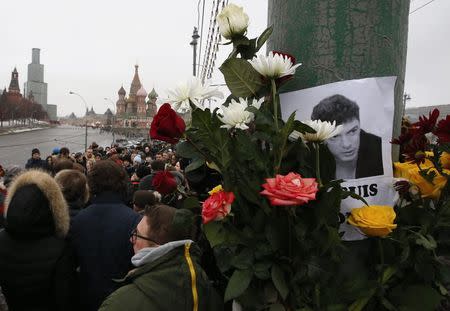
(341, 40)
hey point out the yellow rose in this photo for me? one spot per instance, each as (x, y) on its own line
(373, 220)
(401, 170)
(445, 160)
(216, 189)
(427, 189)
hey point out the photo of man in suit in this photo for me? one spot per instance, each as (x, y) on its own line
(357, 153)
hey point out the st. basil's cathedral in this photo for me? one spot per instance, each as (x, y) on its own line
(134, 111)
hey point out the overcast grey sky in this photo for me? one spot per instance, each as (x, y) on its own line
(90, 47)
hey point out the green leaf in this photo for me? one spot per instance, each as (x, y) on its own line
(183, 218)
(279, 281)
(241, 78)
(186, 150)
(303, 128)
(215, 232)
(416, 298)
(191, 203)
(195, 165)
(428, 242)
(277, 307)
(243, 260)
(238, 283)
(263, 38)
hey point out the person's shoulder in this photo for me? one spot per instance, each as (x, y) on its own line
(125, 298)
(370, 137)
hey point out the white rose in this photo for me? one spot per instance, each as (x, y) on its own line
(232, 21)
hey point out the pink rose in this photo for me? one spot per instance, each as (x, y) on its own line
(217, 206)
(291, 189)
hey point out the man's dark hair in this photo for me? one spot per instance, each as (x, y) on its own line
(73, 185)
(336, 108)
(62, 164)
(106, 175)
(64, 151)
(141, 198)
(158, 165)
(162, 230)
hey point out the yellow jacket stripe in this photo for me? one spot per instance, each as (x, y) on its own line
(187, 255)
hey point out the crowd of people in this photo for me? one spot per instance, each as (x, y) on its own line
(95, 231)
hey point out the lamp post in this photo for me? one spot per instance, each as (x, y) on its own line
(195, 37)
(113, 117)
(85, 119)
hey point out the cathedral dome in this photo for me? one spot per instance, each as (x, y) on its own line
(141, 92)
(153, 94)
(122, 91)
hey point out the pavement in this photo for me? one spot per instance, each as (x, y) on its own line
(15, 149)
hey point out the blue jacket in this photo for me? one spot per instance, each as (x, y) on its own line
(100, 235)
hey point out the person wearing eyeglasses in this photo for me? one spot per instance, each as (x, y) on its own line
(167, 274)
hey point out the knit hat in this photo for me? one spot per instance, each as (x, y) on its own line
(35, 150)
(137, 159)
(55, 150)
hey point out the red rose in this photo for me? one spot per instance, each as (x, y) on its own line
(443, 130)
(291, 189)
(167, 125)
(217, 206)
(164, 182)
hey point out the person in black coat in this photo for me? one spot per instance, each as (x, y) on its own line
(35, 161)
(100, 234)
(37, 267)
(357, 153)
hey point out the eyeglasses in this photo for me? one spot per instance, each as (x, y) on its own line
(135, 235)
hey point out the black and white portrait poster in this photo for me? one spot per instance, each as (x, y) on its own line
(362, 150)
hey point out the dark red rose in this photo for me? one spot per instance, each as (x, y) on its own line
(167, 125)
(415, 149)
(164, 182)
(442, 130)
(403, 138)
(426, 125)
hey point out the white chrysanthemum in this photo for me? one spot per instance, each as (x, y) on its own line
(232, 21)
(191, 90)
(324, 130)
(236, 115)
(274, 66)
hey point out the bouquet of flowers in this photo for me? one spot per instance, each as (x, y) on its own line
(273, 217)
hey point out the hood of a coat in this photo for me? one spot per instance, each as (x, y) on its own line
(35, 205)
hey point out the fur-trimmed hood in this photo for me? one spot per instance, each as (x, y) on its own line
(50, 189)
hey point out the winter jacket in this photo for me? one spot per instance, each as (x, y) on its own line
(166, 284)
(36, 163)
(100, 235)
(37, 268)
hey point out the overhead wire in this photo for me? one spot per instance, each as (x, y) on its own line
(421, 7)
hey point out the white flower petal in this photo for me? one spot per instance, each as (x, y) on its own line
(324, 130)
(274, 66)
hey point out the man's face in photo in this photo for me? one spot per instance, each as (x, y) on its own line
(345, 146)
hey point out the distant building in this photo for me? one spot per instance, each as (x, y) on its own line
(134, 111)
(13, 94)
(414, 113)
(35, 85)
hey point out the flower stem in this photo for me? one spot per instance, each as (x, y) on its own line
(380, 247)
(275, 102)
(319, 180)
